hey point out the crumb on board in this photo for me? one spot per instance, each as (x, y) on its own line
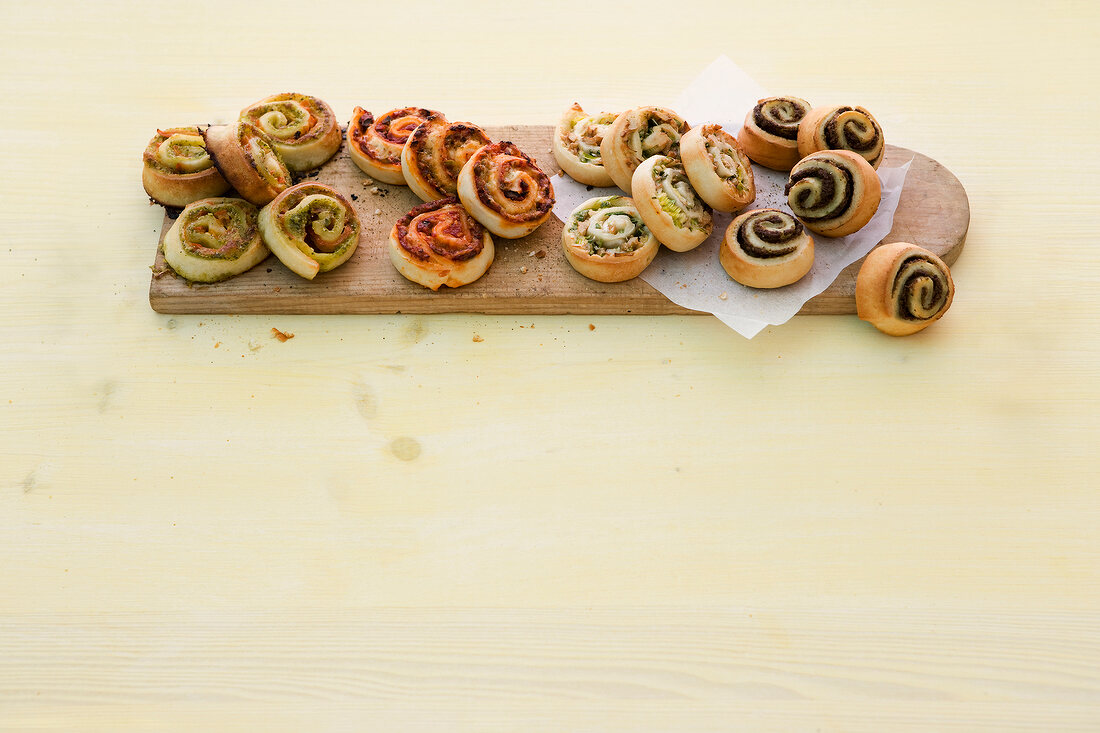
(158, 274)
(540, 254)
(477, 339)
(367, 181)
(281, 335)
(523, 269)
(276, 290)
(723, 296)
(378, 212)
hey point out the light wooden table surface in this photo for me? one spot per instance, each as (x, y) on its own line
(654, 525)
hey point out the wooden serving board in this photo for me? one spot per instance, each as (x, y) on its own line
(933, 212)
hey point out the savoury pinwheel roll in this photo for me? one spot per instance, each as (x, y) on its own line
(375, 145)
(311, 228)
(842, 128)
(434, 155)
(770, 133)
(439, 243)
(668, 204)
(766, 248)
(214, 239)
(246, 156)
(834, 192)
(902, 288)
(717, 168)
(177, 169)
(606, 239)
(303, 128)
(576, 145)
(505, 190)
(638, 134)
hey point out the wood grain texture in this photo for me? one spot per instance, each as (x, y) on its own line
(933, 211)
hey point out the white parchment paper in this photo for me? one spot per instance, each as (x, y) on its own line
(724, 93)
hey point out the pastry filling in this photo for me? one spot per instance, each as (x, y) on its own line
(509, 183)
(852, 129)
(677, 198)
(610, 227)
(820, 189)
(440, 228)
(219, 230)
(178, 150)
(263, 157)
(770, 233)
(441, 149)
(383, 139)
(779, 116)
(654, 133)
(583, 138)
(919, 289)
(290, 118)
(318, 223)
(728, 161)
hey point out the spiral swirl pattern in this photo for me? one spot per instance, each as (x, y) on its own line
(214, 239)
(311, 228)
(606, 239)
(435, 153)
(505, 190)
(834, 192)
(178, 169)
(769, 233)
(576, 145)
(843, 128)
(438, 243)
(766, 248)
(717, 168)
(375, 144)
(780, 116)
(636, 135)
(303, 128)
(902, 288)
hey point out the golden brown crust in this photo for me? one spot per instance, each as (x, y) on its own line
(438, 243)
(834, 192)
(766, 248)
(175, 172)
(505, 190)
(842, 128)
(576, 145)
(435, 153)
(669, 205)
(718, 169)
(770, 133)
(302, 128)
(902, 288)
(637, 134)
(375, 144)
(243, 154)
(311, 228)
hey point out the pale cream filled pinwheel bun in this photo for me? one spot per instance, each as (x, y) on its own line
(576, 145)
(311, 228)
(766, 248)
(247, 158)
(438, 243)
(668, 204)
(505, 190)
(177, 169)
(303, 128)
(638, 134)
(214, 239)
(605, 239)
(718, 169)
(375, 145)
(434, 155)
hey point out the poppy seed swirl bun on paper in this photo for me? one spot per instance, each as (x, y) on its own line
(505, 190)
(637, 134)
(375, 145)
(303, 128)
(214, 239)
(902, 288)
(834, 192)
(842, 128)
(177, 168)
(311, 228)
(669, 205)
(434, 154)
(606, 240)
(576, 145)
(718, 169)
(770, 133)
(439, 243)
(247, 157)
(766, 248)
